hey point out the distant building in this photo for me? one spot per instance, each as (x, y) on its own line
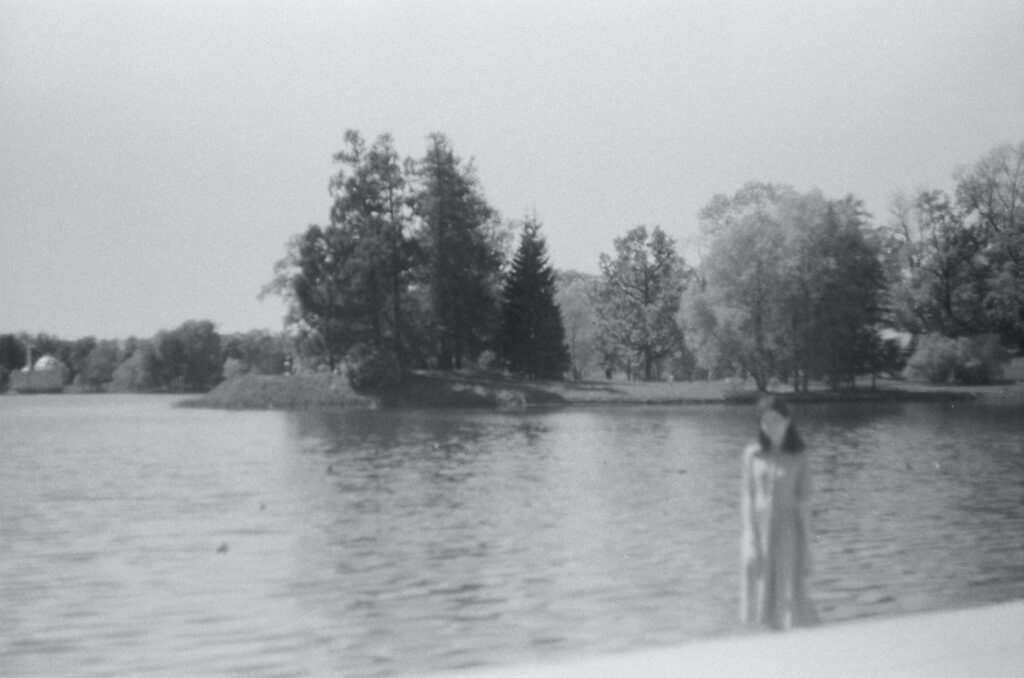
(46, 375)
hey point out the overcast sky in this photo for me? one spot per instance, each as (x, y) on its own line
(155, 157)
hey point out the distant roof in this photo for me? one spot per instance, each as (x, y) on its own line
(48, 362)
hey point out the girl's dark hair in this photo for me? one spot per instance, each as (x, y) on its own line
(792, 442)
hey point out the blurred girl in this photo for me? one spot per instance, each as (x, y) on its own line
(776, 530)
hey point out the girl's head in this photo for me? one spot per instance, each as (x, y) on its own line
(775, 426)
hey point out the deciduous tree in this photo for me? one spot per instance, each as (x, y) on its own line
(98, 368)
(991, 194)
(744, 284)
(574, 294)
(938, 277)
(790, 287)
(638, 298)
(256, 351)
(317, 284)
(189, 356)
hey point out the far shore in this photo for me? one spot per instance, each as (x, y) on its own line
(435, 389)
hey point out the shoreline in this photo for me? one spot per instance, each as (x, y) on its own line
(433, 390)
(973, 641)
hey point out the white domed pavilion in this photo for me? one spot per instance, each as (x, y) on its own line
(46, 375)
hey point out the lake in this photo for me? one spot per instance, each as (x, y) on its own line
(139, 538)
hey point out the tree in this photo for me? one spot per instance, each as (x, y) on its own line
(832, 285)
(531, 341)
(574, 294)
(256, 351)
(344, 283)
(741, 311)
(807, 259)
(79, 356)
(709, 342)
(842, 332)
(313, 279)
(938, 278)
(189, 356)
(991, 195)
(638, 298)
(461, 259)
(98, 367)
(409, 268)
(12, 357)
(371, 201)
(12, 352)
(790, 287)
(138, 368)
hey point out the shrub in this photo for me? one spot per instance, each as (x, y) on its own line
(233, 367)
(368, 367)
(967, 360)
(933, 361)
(979, 359)
(487, 360)
(892, 357)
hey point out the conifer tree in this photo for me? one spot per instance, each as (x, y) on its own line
(345, 282)
(369, 196)
(461, 263)
(531, 341)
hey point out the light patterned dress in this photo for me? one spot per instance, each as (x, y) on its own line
(776, 559)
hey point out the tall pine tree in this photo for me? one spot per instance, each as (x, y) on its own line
(461, 262)
(531, 341)
(345, 283)
(369, 196)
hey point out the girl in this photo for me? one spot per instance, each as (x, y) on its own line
(776, 529)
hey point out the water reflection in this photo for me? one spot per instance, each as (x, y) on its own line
(517, 536)
(916, 504)
(375, 543)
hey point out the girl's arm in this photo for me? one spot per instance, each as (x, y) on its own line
(751, 533)
(804, 503)
(750, 545)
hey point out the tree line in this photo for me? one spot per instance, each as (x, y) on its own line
(800, 287)
(415, 269)
(192, 357)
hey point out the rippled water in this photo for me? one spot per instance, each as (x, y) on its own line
(138, 538)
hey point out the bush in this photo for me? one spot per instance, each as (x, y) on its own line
(933, 361)
(892, 357)
(367, 367)
(487, 360)
(233, 367)
(967, 360)
(979, 359)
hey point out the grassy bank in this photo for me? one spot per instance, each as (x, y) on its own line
(286, 392)
(424, 389)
